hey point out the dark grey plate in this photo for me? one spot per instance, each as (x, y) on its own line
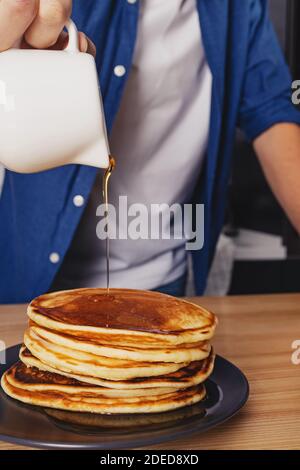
(227, 392)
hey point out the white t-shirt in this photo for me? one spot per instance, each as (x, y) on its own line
(159, 140)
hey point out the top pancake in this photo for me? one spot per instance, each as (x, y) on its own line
(122, 310)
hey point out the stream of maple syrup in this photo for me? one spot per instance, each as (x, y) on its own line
(105, 186)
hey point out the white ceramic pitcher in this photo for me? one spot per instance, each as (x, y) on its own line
(51, 111)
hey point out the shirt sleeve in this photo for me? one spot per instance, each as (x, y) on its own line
(266, 95)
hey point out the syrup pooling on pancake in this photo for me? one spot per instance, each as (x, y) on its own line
(123, 338)
(179, 322)
(123, 309)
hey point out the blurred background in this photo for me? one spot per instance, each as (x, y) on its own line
(259, 251)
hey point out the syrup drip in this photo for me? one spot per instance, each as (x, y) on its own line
(105, 185)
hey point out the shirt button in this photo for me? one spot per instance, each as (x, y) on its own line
(119, 70)
(54, 258)
(131, 1)
(78, 200)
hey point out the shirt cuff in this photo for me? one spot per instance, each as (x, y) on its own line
(256, 123)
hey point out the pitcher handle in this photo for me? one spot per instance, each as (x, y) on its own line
(73, 45)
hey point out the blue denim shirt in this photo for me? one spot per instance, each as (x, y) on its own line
(251, 90)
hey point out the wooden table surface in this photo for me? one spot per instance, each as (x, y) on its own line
(256, 333)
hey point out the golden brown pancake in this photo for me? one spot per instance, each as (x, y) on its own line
(87, 402)
(193, 374)
(183, 353)
(125, 317)
(77, 362)
(34, 379)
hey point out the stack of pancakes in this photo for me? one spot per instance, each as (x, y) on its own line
(126, 351)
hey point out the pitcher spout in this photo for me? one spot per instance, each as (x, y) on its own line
(97, 155)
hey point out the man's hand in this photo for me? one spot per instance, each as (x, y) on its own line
(278, 150)
(39, 22)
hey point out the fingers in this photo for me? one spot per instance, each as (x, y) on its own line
(15, 18)
(86, 45)
(46, 28)
(41, 22)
